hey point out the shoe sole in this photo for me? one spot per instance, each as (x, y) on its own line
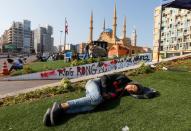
(46, 117)
(51, 114)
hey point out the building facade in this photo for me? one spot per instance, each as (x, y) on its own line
(172, 33)
(43, 40)
(18, 37)
(114, 45)
(27, 36)
(15, 35)
(80, 48)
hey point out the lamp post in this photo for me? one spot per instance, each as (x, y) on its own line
(60, 49)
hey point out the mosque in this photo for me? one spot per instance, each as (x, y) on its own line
(113, 45)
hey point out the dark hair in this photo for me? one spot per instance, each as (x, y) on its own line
(10, 60)
(139, 87)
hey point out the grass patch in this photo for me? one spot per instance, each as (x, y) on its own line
(41, 66)
(52, 65)
(170, 111)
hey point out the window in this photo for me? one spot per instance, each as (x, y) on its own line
(161, 48)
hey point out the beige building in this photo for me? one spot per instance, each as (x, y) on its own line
(18, 36)
(172, 36)
(4, 37)
(15, 34)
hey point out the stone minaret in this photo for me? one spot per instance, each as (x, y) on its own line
(104, 26)
(124, 28)
(134, 38)
(91, 28)
(114, 24)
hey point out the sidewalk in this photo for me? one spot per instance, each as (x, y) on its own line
(11, 88)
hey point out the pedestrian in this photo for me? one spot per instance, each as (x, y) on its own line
(87, 52)
(15, 64)
(99, 90)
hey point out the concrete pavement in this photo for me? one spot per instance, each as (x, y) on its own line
(15, 87)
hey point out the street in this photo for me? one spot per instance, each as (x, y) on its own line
(15, 86)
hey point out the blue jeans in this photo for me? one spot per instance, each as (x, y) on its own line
(90, 101)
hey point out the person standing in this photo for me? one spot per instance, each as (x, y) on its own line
(87, 52)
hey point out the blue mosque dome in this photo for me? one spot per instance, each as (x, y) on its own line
(109, 30)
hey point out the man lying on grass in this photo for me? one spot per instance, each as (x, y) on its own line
(98, 90)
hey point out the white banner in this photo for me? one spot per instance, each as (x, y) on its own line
(85, 70)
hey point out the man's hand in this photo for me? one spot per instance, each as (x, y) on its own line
(106, 96)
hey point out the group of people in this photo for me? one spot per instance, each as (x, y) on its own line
(98, 90)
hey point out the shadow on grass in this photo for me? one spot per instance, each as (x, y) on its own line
(100, 108)
(105, 106)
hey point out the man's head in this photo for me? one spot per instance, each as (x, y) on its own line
(133, 88)
(10, 61)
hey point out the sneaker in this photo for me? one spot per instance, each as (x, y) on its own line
(56, 113)
(46, 118)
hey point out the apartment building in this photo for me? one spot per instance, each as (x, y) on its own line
(43, 40)
(15, 35)
(18, 36)
(172, 33)
(26, 36)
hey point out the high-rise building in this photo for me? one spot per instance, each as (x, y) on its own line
(18, 36)
(15, 35)
(43, 40)
(172, 33)
(32, 42)
(26, 35)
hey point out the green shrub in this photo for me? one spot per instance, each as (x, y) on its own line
(101, 59)
(65, 84)
(27, 69)
(91, 60)
(144, 69)
(74, 63)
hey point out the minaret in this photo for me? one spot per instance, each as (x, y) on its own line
(134, 38)
(114, 23)
(91, 28)
(124, 28)
(104, 26)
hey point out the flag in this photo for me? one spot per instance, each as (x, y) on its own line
(181, 4)
(66, 26)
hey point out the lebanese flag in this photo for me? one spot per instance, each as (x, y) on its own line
(66, 26)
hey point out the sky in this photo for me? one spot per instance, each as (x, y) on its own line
(139, 14)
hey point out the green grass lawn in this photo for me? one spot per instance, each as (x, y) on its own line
(171, 111)
(52, 65)
(42, 66)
